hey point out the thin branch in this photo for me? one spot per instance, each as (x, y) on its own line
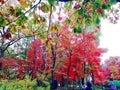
(1, 33)
(3, 29)
(12, 42)
(32, 7)
(8, 52)
(49, 21)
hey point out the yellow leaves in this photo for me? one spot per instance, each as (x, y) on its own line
(114, 70)
(3, 12)
(71, 13)
(26, 32)
(5, 82)
(54, 28)
(35, 16)
(38, 21)
(42, 19)
(23, 27)
(21, 82)
(24, 3)
(13, 29)
(7, 19)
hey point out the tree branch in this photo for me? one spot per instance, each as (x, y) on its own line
(49, 21)
(12, 42)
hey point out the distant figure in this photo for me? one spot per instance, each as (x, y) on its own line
(55, 84)
(89, 86)
(112, 87)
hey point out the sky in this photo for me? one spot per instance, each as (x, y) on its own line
(110, 38)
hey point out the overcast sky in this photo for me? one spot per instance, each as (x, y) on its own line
(110, 38)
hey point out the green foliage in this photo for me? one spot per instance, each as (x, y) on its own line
(97, 21)
(51, 2)
(77, 30)
(22, 55)
(18, 11)
(2, 21)
(81, 11)
(26, 84)
(21, 20)
(96, 5)
(104, 6)
(45, 7)
(68, 5)
(112, 1)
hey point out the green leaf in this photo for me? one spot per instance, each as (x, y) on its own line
(97, 21)
(87, 67)
(98, 1)
(45, 7)
(112, 1)
(108, 6)
(42, 36)
(88, 22)
(51, 1)
(68, 21)
(96, 4)
(3, 23)
(18, 22)
(104, 6)
(81, 11)
(77, 30)
(18, 11)
(23, 55)
(68, 5)
(34, 21)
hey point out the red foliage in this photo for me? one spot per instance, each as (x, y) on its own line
(77, 6)
(99, 10)
(73, 51)
(85, 51)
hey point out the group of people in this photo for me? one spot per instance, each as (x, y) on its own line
(89, 86)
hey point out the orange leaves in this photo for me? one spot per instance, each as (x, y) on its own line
(24, 3)
(35, 16)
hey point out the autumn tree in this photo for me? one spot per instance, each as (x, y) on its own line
(111, 68)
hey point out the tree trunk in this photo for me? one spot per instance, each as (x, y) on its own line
(0, 65)
(53, 65)
(68, 70)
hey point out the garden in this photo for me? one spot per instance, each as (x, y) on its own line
(54, 45)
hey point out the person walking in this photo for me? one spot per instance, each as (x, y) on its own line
(89, 86)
